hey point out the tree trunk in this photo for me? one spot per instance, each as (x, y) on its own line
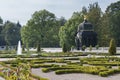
(38, 47)
(27, 47)
(23, 48)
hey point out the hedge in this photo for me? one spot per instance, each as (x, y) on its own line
(55, 68)
(37, 77)
(42, 65)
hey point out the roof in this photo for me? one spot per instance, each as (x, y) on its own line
(85, 26)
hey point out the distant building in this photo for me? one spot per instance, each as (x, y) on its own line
(85, 35)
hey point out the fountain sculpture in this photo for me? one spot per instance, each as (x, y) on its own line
(19, 48)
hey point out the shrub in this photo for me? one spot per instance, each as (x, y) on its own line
(45, 70)
(97, 47)
(116, 70)
(37, 77)
(103, 74)
(68, 71)
(2, 75)
(42, 65)
(83, 47)
(59, 61)
(56, 68)
(13, 65)
(112, 47)
(103, 63)
(90, 48)
(64, 48)
(108, 72)
(75, 58)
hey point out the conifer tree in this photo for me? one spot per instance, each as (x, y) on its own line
(112, 47)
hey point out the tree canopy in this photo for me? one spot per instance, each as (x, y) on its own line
(41, 29)
(113, 12)
(68, 31)
(11, 33)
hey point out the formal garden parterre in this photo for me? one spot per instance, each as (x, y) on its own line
(60, 64)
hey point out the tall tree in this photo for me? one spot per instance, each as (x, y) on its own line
(84, 10)
(1, 20)
(62, 21)
(67, 32)
(11, 33)
(2, 40)
(113, 12)
(41, 29)
(104, 31)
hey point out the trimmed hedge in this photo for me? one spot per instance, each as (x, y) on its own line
(42, 65)
(76, 69)
(109, 72)
(55, 68)
(104, 63)
(2, 75)
(37, 77)
(68, 71)
(102, 73)
(72, 59)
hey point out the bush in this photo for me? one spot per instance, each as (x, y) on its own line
(68, 71)
(112, 47)
(83, 47)
(59, 61)
(75, 58)
(45, 70)
(55, 68)
(109, 72)
(101, 63)
(116, 70)
(2, 75)
(97, 47)
(13, 65)
(103, 74)
(90, 48)
(81, 69)
(37, 77)
(42, 65)
(64, 48)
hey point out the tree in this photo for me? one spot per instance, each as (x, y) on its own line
(1, 20)
(62, 21)
(2, 40)
(41, 29)
(11, 33)
(112, 47)
(67, 32)
(104, 30)
(25, 36)
(84, 10)
(63, 39)
(113, 13)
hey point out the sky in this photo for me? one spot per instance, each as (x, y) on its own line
(22, 10)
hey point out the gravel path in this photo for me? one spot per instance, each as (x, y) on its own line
(2, 78)
(80, 76)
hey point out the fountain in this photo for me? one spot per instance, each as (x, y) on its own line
(19, 48)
